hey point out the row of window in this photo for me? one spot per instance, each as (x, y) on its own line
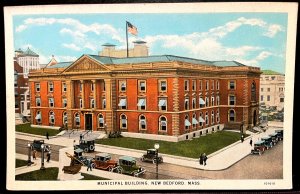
(281, 99)
(280, 89)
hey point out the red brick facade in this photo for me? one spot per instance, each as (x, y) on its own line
(135, 96)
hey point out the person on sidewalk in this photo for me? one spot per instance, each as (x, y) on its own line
(48, 156)
(242, 138)
(204, 159)
(47, 135)
(34, 154)
(89, 164)
(251, 142)
(201, 159)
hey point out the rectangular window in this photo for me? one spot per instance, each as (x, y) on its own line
(231, 84)
(64, 102)
(37, 87)
(142, 85)
(162, 104)
(80, 87)
(92, 87)
(51, 87)
(122, 103)
(231, 100)
(261, 98)
(122, 86)
(80, 103)
(212, 101)
(194, 103)
(273, 78)
(51, 102)
(194, 85)
(267, 78)
(268, 98)
(163, 85)
(200, 85)
(92, 103)
(261, 89)
(206, 85)
(186, 85)
(269, 89)
(212, 84)
(64, 86)
(218, 85)
(281, 99)
(103, 103)
(38, 101)
(141, 104)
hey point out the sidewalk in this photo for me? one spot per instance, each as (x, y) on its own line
(219, 160)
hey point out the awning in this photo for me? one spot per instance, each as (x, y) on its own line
(122, 102)
(194, 121)
(38, 116)
(186, 100)
(123, 121)
(143, 122)
(77, 119)
(201, 101)
(142, 84)
(187, 123)
(163, 84)
(162, 102)
(201, 120)
(163, 123)
(141, 102)
(101, 120)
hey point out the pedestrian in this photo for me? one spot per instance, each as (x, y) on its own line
(201, 159)
(48, 156)
(89, 164)
(242, 138)
(204, 159)
(251, 142)
(47, 135)
(34, 154)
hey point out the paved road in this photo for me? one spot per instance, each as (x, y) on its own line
(267, 166)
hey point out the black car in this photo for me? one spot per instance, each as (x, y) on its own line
(151, 156)
(279, 134)
(86, 145)
(37, 145)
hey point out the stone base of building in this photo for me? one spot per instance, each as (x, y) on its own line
(186, 136)
(46, 127)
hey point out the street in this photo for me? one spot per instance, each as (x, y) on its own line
(267, 166)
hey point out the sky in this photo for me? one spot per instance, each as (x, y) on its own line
(254, 39)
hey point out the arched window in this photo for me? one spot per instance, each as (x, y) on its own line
(231, 115)
(201, 120)
(186, 103)
(194, 121)
(142, 122)
(100, 120)
(51, 118)
(206, 119)
(194, 103)
(218, 100)
(187, 123)
(65, 118)
(123, 121)
(218, 117)
(253, 91)
(163, 123)
(77, 119)
(38, 117)
(212, 101)
(212, 117)
(92, 103)
(206, 101)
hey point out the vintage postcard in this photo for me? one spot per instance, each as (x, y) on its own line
(179, 96)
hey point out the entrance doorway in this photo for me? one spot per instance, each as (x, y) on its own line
(254, 117)
(88, 122)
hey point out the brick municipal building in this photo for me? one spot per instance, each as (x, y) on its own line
(161, 97)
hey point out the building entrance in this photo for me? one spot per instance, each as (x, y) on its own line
(88, 122)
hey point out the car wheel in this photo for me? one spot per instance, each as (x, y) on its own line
(86, 150)
(93, 165)
(110, 169)
(154, 161)
(259, 153)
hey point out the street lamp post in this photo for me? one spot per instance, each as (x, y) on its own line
(29, 155)
(156, 146)
(42, 159)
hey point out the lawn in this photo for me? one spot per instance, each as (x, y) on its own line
(20, 163)
(26, 128)
(190, 148)
(39, 175)
(91, 177)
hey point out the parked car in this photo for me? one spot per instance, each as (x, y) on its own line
(151, 156)
(86, 145)
(274, 138)
(78, 158)
(268, 141)
(104, 161)
(37, 145)
(259, 147)
(279, 134)
(127, 165)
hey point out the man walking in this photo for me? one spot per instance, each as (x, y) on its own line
(48, 156)
(47, 135)
(34, 154)
(89, 164)
(204, 159)
(242, 138)
(201, 159)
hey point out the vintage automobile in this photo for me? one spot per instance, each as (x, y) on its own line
(86, 145)
(78, 158)
(279, 134)
(274, 138)
(104, 161)
(127, 165)
(37, 145)
(151, 156)
(259, 148)
(268, 141)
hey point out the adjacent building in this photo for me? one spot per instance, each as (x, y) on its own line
(272, 89)
(163, 97)
(27, 60)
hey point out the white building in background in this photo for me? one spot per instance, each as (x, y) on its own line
(27, 59)
(272, 87)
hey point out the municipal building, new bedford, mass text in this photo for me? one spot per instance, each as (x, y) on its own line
(164, 97)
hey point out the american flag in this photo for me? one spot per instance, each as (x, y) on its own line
(132, 29)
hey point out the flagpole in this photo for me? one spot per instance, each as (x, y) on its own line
(127, 37)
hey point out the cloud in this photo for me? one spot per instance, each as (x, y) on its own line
(263, 55)
(71, 46)
(90, 46)
(75, 34)
(64, 58)
(21, 28)
(273, 29)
